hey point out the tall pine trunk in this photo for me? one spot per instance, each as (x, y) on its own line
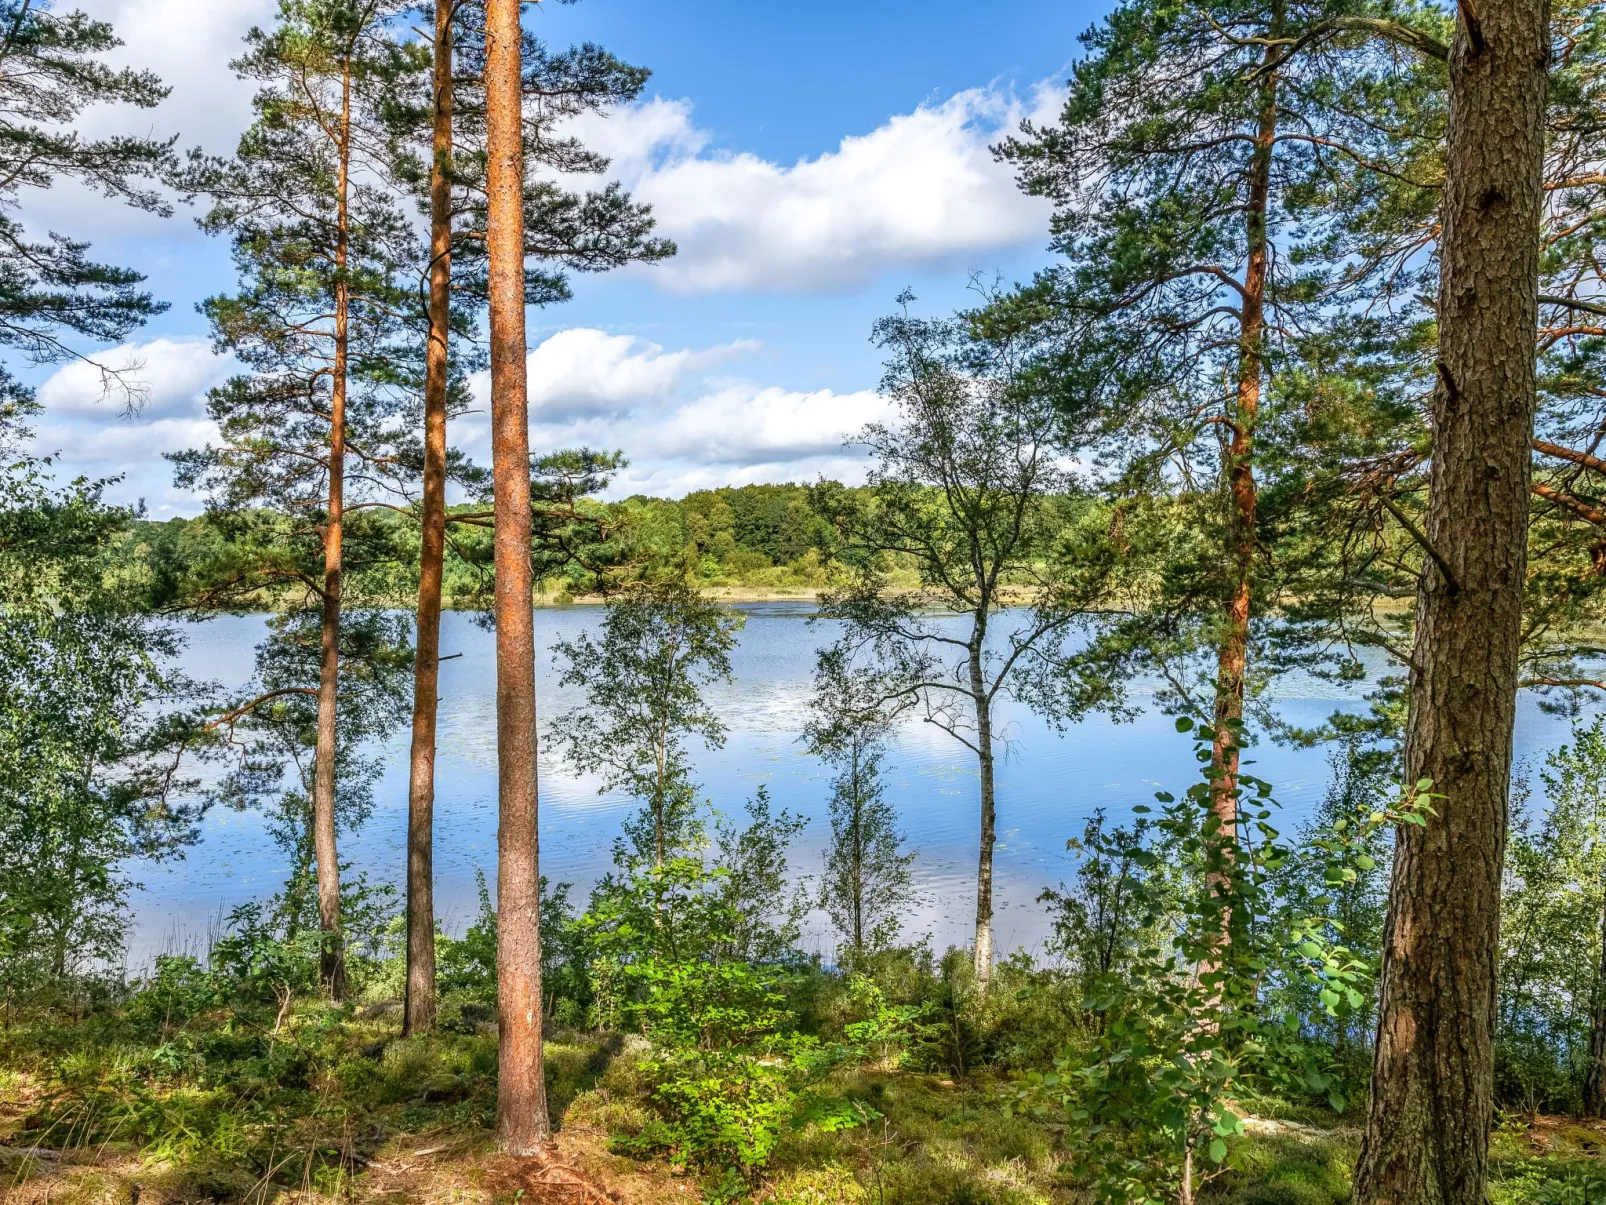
(332, 968)
(1427, 1127)
(419, 1013)
(1232, 655)
(989, 818)
(521, 1112)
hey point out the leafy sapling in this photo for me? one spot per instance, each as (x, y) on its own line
(867, 885)
(661, 644)
(1190, 1026)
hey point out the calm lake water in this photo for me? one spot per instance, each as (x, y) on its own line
(1048, 783)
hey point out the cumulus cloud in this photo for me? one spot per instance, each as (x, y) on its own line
(167, 378)
(742, 423)
(581, 371)
(189, 46)
(923, 189)
(681, 416)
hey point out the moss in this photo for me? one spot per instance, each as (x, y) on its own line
(220, 1107)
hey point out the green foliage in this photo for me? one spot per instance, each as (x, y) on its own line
(887, 1031)
(565, 230)
(89, 731)
(764, 908)
(1553, 923)
(1189, 1029)
(718, 1025)
(271, 726)
(53, 72)
(1185, 147)
(661, 645)
(1117, 906)
(466, 966)
(268, 952)
(867, 883)
(1352, 910)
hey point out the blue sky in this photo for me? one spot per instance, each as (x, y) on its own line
(810, 160)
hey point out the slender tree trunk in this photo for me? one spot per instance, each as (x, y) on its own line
(660, 748)
(1427, 1128)
(1595, 1075)
(332, 969)
(858, 861)
(522, 1124)
(1243, 492)
(419, 1013)
(989, 830)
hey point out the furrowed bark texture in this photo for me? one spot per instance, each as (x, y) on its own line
(419, 1012)
(332, 964)
(521, 1111)
(1427, 1130)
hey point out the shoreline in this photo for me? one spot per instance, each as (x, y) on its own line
(729, 594)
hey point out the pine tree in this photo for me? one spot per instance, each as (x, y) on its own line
(562, 230)
(321, 254)
(867, 885)
(1207, 173)
(522, 1123)
(1428, 1121)
(51, 292)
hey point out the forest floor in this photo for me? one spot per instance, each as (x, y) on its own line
(370, 1118)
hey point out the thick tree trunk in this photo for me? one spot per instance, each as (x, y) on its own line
(1232, 655)
(1595, 1075)
(332, 969)
(419, 1013)
(989, 819)
(522, 1124)
(1427, 1129)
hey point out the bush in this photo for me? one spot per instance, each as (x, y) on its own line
(179, 989)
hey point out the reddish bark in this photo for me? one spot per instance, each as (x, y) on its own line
(521, 1110)
(1232, 655)
(332, 964)
(419, 1011)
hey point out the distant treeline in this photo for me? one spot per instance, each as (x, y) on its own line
(750, 536)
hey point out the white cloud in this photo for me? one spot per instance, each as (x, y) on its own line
(679, 417)
(682, 424)
(169, 376)
(648, 133)
(923, 189)
(121, 447)
(189, 46)
(920, 191)
(580, 371)
(741, 424)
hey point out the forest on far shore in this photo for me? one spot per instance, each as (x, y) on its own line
(761, 537)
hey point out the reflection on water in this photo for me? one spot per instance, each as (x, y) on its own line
(1048, 783)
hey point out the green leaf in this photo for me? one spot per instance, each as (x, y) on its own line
(1217, 1150)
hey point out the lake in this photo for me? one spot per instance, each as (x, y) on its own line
(1048, 783)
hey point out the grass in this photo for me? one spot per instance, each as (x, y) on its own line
(335, 1106)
